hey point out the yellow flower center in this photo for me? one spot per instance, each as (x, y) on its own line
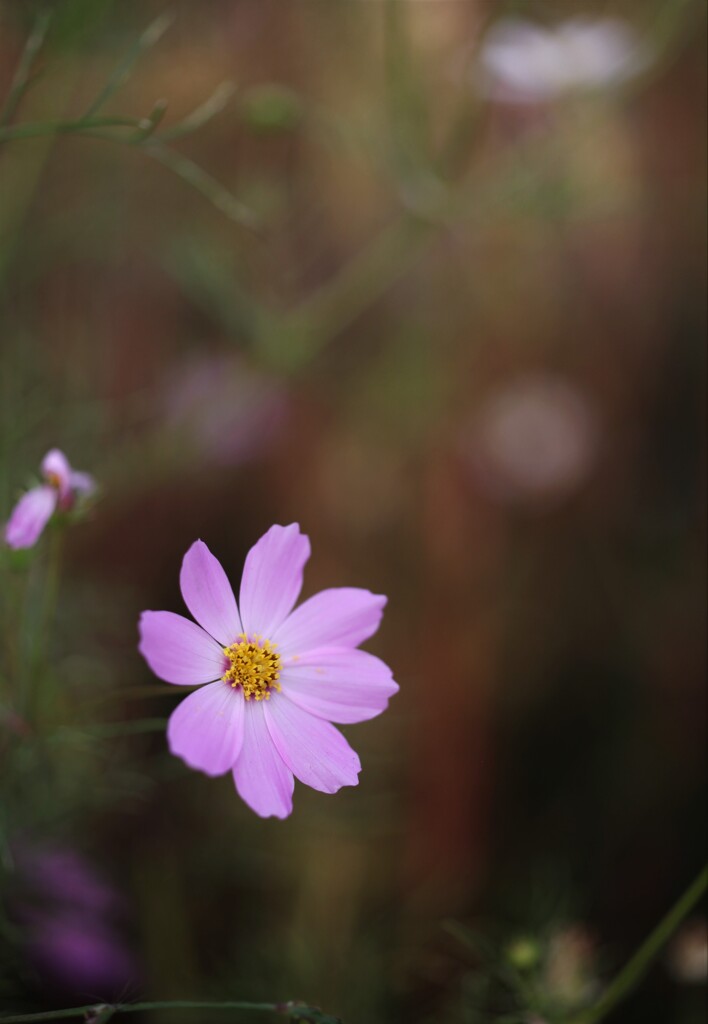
(254, 666)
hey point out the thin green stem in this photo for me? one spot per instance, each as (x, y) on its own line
(180, 165)
(38, 129)
(21, 79)
(152, 34)
(43, 625)
(203, 113)
(51, 584)
(193, 175)
(635, 969)
(292, 1010)
(296, 337)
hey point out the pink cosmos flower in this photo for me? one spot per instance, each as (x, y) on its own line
(35, 508)
(275, 679)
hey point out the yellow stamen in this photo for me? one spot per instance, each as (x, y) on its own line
(255, 667)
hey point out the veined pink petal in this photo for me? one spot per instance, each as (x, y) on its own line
(56, 469)
(272, 579)
(29, 516)
(313, 750)
(261, 776)
(338, 685)
(341, 617)
(178, 650)
(208, 594)
(206, 728)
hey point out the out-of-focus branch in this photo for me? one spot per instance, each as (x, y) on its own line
(112, 127)
(294, 1011)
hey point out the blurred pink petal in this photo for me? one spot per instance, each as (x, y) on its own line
(272, 579)
(340, 617)
(35, 508)
(222, 410)
(536, 438)
(29, 516)
(208, 594)
(262, 779)
(62, 875)
(206, 728)
(339, 685)
(56, 469)
(179, 651)
(314, 751)
(82, 483)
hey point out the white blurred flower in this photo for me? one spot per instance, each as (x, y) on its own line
(523, 62)
(570, 971)
(534, 439)
(688, 953)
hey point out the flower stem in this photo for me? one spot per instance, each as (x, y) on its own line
(635, 969)
(21, 79)
(292, 1010)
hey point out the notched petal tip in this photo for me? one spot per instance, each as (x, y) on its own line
(313, 749)
(208, 594)
(262, 779)
(272, 578)
(337, 617)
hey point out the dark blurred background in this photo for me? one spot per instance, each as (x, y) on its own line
(460, 340)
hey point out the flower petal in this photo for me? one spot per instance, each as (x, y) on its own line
(341, 617)
(313, 750)
(82, 483)
(261, 776)
(206, 728)
(208, 594)
(339, 685)
(272, 579)
(29, 517)
(178, 650)
(56, 469)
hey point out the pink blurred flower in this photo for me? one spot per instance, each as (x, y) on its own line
(58, 493)
(275, 678)
(524, 62)
(223, 410)
(535, 439)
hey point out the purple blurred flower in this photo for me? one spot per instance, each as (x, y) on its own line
(78, 952)
(535, 439)
(222, 410)
(524, 62)
(275, 678)
(35, 508)
(69, 919)
(58, 874)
